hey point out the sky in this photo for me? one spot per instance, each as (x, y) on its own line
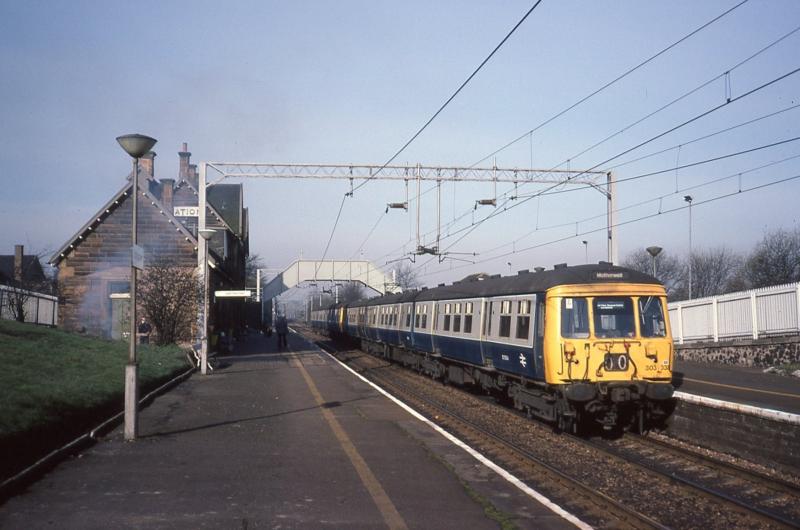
(350, 82)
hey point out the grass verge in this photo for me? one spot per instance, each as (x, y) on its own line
(57, 385)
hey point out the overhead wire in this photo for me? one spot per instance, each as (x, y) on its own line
(630, 221)
(447, 226)
(612, 82)
(430, 120)
(703, 114)
(458, 90)
(643, 202)
(660, 109)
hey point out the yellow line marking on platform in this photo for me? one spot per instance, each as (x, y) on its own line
(783, 394)
(382, 501)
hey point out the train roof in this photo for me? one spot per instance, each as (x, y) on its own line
(523, 282)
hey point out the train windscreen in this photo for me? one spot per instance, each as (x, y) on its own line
(613, 317)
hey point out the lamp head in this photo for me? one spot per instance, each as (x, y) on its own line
(688, 198)
(136, 145)
(207, 233)
(654, 251)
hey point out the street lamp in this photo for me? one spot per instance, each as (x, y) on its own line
(654, 251)
(205, 233)
(136, 145)
(586, 250)
(688, 198)
(509, 267)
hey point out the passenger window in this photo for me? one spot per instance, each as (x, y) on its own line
(457, 323)
(489, 319)
(505, 318)
(523, 319)
(505, 325)
(408, 320)
(446, 326)
(467, 323)
(574, 318)
(424, 320)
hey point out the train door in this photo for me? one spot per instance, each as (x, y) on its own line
(538, 342)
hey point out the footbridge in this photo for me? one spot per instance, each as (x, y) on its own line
(301, 271)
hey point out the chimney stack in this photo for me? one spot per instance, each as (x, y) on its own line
(167, 189)
(148, 164)
(183, 169)
(194, 180)
(19, 252)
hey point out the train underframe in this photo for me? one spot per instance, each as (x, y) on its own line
(576, 407)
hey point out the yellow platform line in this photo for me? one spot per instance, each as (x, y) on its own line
(391, 516)
(782, 394)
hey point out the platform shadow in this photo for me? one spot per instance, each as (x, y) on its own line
(326, 405)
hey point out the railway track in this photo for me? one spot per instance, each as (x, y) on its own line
(667, 485)
(775, 500)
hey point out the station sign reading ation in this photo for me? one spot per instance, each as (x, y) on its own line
(186, 211)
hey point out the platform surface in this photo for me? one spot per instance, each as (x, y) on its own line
(275, 440)
(739, 384)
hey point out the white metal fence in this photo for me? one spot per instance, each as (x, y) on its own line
(39, 308)
(746, 314)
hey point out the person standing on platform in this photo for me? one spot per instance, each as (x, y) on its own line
(282, 329)
(144, 330)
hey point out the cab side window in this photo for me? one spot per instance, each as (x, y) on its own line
(574, 318)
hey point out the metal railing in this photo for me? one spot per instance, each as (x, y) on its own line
(39, 308)
(747, 314)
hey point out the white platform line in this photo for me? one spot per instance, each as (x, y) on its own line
(770, 414)
(555, 508)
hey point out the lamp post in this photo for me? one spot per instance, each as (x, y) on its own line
(136, 145)
(586, 250)
(654, 251)
(688, 198)
(207, 234)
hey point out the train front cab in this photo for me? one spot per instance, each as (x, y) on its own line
(609, 353)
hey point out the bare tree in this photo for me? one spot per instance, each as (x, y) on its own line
(169, 296)
(669, 269)
(251, 266)
(714, 271)
(351, 292)
(406, 276)
(775, 260)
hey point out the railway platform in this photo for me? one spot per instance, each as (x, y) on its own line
(276, 439)
(738, 384)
